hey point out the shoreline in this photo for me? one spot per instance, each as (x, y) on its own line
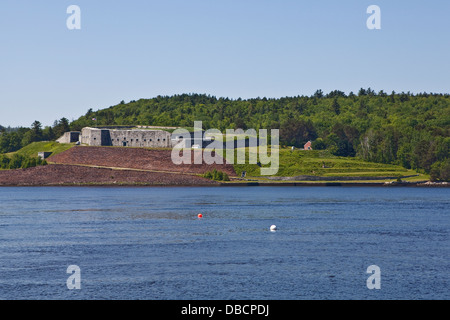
(76, 175)
(236, 184)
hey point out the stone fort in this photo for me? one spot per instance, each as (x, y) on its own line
(128, 137)
(125, 138)
(132, 137)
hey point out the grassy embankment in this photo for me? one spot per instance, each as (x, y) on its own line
(324, 164)
(27, 157)
(32, 149)
(292, 164)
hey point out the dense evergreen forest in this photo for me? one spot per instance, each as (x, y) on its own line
(412, 130)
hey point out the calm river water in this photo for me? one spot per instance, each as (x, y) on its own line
(148, 243)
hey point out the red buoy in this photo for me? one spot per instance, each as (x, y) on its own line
(200, 215)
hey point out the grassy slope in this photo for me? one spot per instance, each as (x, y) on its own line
(292, 163)
(300, 162)
(47, 146)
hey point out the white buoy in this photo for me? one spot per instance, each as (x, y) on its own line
(273, 227)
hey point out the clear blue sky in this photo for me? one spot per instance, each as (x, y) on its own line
(127, 50)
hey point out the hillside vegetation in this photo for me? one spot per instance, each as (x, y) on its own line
(323, 163)
(411, 131)
(27, 157)
(406, 130)
(33, 148)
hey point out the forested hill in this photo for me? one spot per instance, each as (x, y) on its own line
(409, 129)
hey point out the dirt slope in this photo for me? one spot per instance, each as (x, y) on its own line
(74, 175)
(134, 158)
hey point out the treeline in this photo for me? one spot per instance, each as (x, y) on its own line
(18, 161)
(412, 130)
(13, 139)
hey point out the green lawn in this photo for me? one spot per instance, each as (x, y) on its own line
(32, 149)
(301, 162)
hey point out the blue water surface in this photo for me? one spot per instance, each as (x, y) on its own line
(148, 243)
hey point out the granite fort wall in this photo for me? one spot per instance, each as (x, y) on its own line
(69, 137)
(91, 137)
(146, 139)
(137, 138)
(126, 138)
